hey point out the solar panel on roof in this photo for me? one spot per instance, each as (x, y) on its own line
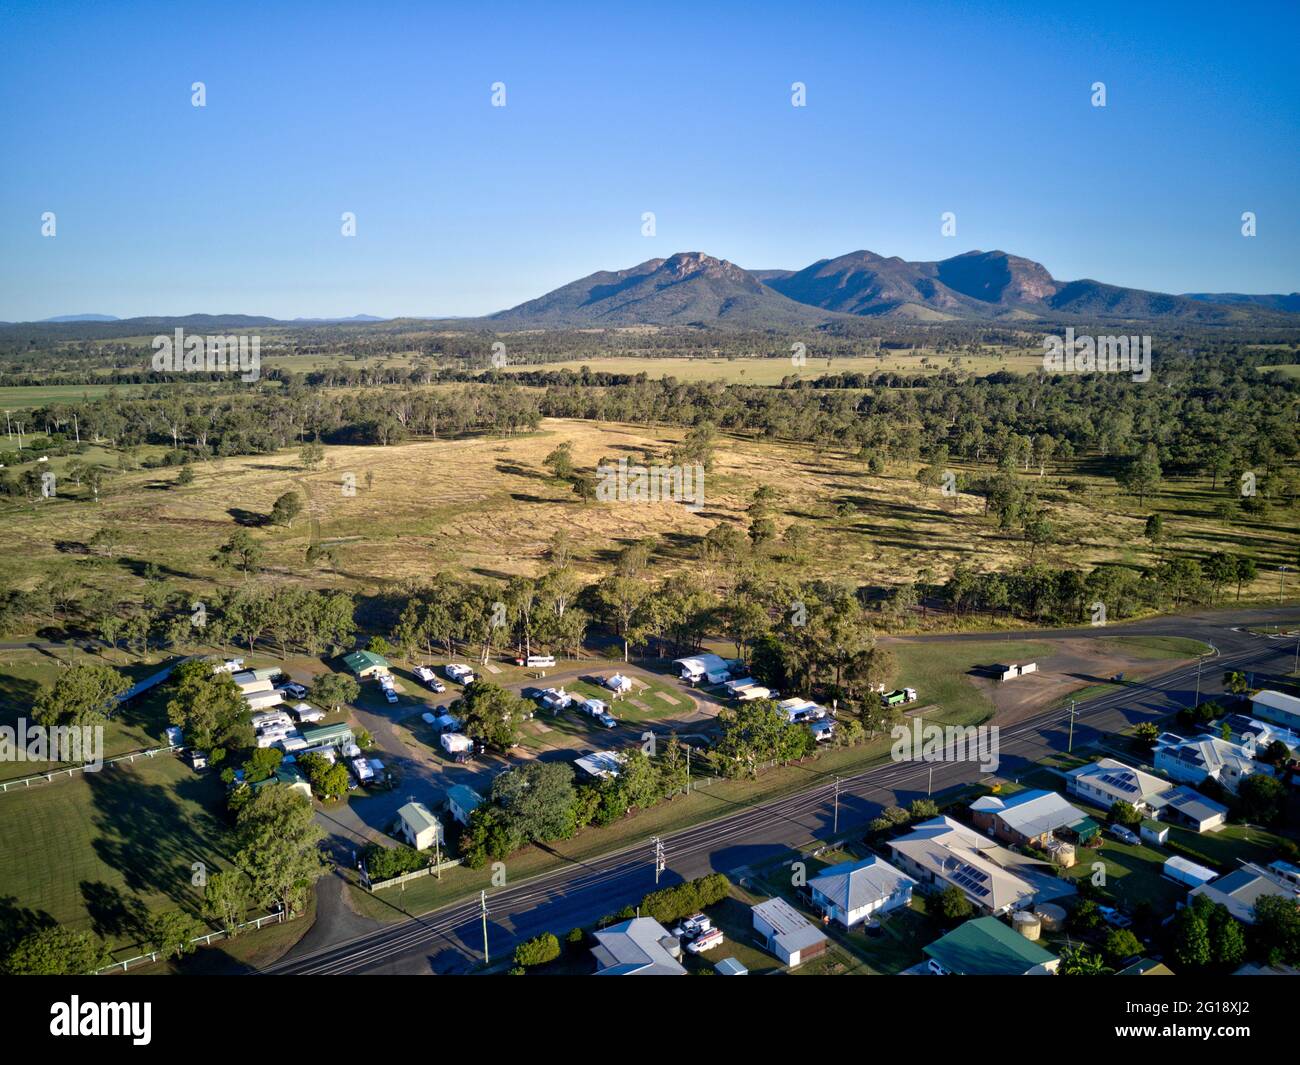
(1119, 782)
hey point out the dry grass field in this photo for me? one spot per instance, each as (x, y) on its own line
(488, 507)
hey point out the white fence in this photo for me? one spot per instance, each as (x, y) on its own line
(51, 775)
(198, 941)
(379, 885)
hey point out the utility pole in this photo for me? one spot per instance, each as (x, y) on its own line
(482, 902)
(1070, 747)
(1198, 684)
(836, 822)
(659, 857)
(1281, 591)
(929, 782)
(688, 768)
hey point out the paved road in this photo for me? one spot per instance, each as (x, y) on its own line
(450, 940)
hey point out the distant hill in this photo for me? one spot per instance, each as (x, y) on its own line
(688, 288)
(1289, 302)
(83, 318)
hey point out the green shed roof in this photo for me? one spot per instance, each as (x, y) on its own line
(360, 660)
(987, 947)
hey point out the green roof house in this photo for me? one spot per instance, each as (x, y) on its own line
(987, 947)
(365, 663)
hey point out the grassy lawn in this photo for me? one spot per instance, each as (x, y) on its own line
(140, 723)
(646, 702)
(940, 673)
(97, 851)
(1156, 647)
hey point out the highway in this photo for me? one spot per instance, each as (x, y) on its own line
(450, 940)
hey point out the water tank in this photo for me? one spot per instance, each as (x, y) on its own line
(1051, 917)
(1027, 924)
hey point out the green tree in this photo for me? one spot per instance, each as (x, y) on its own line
(279, 847)
(226, 899)
(56, 951)
(209, 709)
(171, 933)
(287, 507)
(84, 694)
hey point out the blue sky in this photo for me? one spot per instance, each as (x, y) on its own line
(913, 109)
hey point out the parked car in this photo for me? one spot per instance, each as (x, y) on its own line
(294, 691)
(606, 720)
(697, 923)
(390, 695)
(1114, 917)
(710, 939)
(1124, 835)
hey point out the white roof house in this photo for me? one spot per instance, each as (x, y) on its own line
(600, 764)
(1278, 708)
(639, 947)
(1185, 806)
(419, 827)
(262, 700)
(1192, 761)
(942, 851)
(851, 891)
(1107, 781)
(1242, 888)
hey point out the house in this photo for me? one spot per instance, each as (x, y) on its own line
(984, 946)
(1185, 806)
(1107, 781)
(290, 776)
(942, 852)
(1028, 818)
(1277, 709)
(1242, 888)
(786, 932)
(797, 709)
(822, 730)
(600, 764)
(1260, 733)
(1183, 871)
(327, 735)
(708, 668)
(462, 800)
(850, 892)
(364, 664)
(639, 947)
(419, 827)
(1195, 760)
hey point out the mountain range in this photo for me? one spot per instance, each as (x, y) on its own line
(691, 288)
